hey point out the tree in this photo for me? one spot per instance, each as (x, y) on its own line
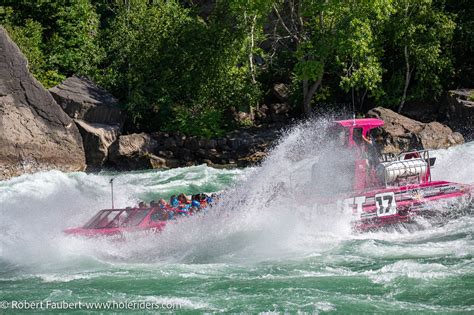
(359, 50)
(419, 36)
(335, 32)
(250, 16)
(29, 39)
(462, 12)
(174, 69)
(73, 46)
(58, 37)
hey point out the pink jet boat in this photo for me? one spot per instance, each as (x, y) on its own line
(116, 222)
(391, 188)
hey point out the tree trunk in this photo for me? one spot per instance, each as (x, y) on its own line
(308, 93)
(407, 79)
(306, 108)
(252, 45)
(362, 100)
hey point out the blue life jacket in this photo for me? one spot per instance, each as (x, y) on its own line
(174, 203)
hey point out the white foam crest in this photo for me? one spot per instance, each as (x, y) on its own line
(456, 248)
(64, 277)
(410, 269)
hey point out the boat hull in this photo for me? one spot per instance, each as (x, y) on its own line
(385, 207)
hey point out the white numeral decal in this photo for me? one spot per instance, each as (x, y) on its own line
(348, 204)
(385, 204)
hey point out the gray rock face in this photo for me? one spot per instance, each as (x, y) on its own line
(97, 139)
(133, 151)
(460, 111)
(82, 99)
(97, 114)
(403, 134)
(35, 134)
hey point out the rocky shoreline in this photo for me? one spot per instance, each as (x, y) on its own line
(78, 126)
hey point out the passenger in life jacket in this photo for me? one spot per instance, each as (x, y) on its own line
(174, 203)
(183, 199)
(212, 199)
(173, 206)
(195, 204)
(179, 205)
(142, 205)
(162, 204)
(184, 208)
(201, 198)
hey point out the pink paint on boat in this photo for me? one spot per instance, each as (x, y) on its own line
(376, 201)
(117, 222)
(366, 123)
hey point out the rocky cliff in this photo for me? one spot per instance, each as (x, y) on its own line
(35, 133)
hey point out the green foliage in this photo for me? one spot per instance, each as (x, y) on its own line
(176, 68)
(204, 121)
(425, 33)
(72, 48)
(167, 62)
(58, 38)
(462, 47)
(340, 40)
(28, 38)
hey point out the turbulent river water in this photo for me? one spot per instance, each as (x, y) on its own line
(259, 250)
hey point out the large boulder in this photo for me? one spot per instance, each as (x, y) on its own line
(402, 133)
(82, 99)
(35, 134)
(97, 139)
(460, 111)
(135, 151)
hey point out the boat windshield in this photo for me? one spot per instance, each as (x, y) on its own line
(160, 215)
(117, 218)
(338, 135)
